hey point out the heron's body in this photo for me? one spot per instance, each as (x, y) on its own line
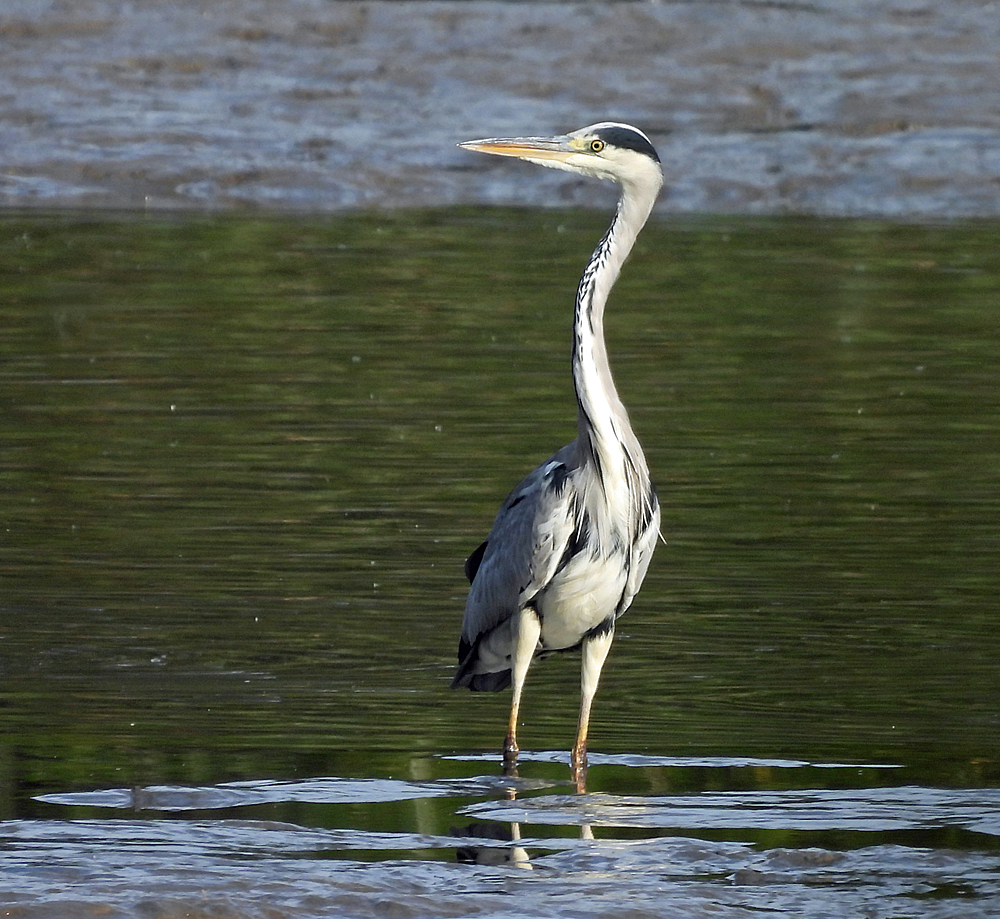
(570, 545)
(583, 565)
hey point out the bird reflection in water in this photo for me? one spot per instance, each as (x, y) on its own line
(513, 854)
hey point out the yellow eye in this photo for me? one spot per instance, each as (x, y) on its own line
(596, 146)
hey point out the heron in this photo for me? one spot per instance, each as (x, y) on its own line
(571, 544)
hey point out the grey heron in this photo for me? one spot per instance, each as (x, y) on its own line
(571, 544)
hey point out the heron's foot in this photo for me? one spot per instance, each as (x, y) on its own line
(510, 751)
(578, 767)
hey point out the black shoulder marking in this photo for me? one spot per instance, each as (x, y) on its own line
(557, 476)
(625, 137)
(473, 562)
(578, 541)
(649, 507)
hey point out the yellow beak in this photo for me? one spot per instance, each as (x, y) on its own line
(536, 149)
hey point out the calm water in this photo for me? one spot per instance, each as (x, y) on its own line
(243, 461)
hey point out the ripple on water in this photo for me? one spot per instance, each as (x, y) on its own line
(690, 855)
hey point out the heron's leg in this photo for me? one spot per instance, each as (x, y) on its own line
(526, 628)
(595, 653)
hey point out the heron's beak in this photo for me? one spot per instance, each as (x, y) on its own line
(544, 150)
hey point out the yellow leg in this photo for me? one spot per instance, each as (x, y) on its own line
(595, 653)
(526, 629)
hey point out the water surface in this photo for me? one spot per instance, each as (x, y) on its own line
(836, 107)
(244, 460)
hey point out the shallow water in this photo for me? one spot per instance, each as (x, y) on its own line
(836, 107)
(244, 460)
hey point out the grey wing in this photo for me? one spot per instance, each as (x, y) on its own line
(527, 541)
(642, 553)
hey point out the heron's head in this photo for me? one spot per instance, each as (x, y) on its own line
(607, 150)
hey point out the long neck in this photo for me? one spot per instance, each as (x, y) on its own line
(604, 430)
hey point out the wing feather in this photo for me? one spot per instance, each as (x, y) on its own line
(523, 550)
(642, 550)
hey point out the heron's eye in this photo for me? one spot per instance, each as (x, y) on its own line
(596, 146)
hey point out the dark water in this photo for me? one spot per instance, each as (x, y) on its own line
(243, 461)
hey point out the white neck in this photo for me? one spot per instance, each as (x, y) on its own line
(604, 430)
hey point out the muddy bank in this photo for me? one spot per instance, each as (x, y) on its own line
(884, 107)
